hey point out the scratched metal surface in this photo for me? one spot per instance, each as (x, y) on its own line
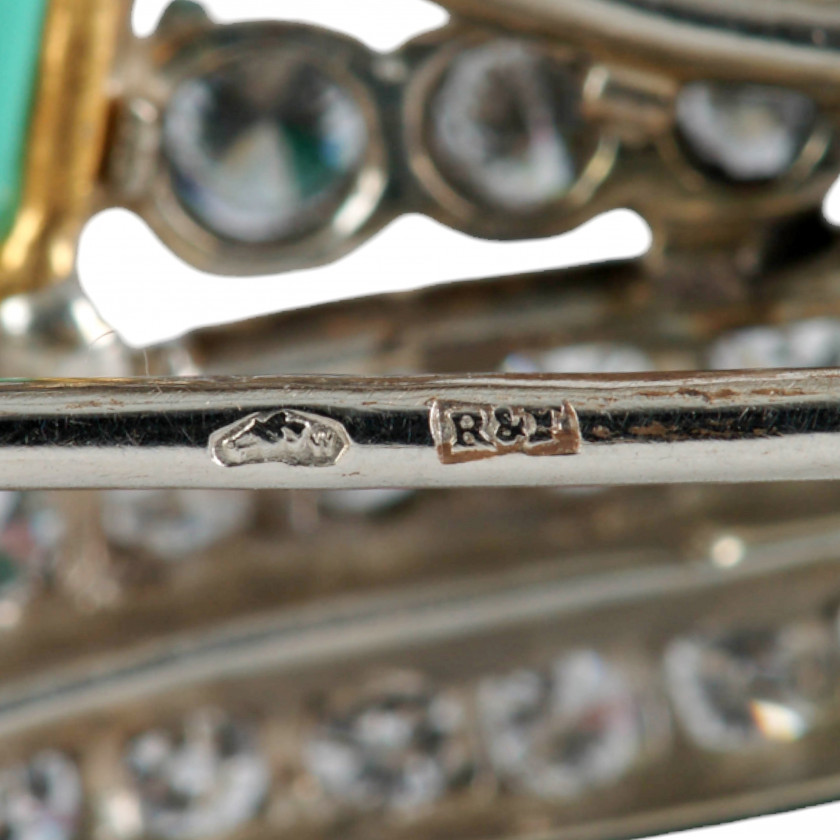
(799, 38)
(633, 429)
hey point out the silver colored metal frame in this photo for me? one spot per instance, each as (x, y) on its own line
(316, 433)
(780, 40)
(538, 514)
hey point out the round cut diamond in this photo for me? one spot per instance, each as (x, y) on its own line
(265, 147)
(173, 523)
(203, 781)
(504, 125)
(752, 687)
(40, 799)
(559, 733)
(401, 746)
(364, 502)
(744, 132)
(582, 358)
(814, 343)
(30, 531)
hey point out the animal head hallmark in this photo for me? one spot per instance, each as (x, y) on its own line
(295, 438)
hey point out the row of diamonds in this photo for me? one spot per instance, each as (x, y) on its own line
(265, 143)
(402, 745)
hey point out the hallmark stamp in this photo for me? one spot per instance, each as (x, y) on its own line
(296, 438)
(465, 432)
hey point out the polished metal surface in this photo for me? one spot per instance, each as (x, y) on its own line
(540, 556)
(422, 432)
(799, 38)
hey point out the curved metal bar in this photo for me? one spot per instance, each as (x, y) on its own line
(800, 39)
(494, 430)
(344, 628)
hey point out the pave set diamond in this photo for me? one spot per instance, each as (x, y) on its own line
(403, 746)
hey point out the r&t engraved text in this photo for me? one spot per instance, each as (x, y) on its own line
(464, 432)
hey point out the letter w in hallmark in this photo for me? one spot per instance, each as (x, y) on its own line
(296, 438)
(464, 432)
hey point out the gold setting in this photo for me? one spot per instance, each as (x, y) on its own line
(66, 142)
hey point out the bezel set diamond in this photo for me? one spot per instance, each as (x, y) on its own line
(561, 734)
(435, 143)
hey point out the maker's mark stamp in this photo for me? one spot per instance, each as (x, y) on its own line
(296, 438)
(464, 432)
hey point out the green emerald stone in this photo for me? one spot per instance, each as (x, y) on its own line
(21, 27)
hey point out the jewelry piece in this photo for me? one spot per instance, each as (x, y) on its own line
(476, 560)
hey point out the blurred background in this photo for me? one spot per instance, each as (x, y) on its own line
(159, 297)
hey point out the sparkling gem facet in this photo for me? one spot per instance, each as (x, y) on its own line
(40, 799)
(503, 125)
(753, 686)
(30, 531)
(265, 147)
(401, 746)
(173, 523)
(203, 781)
(582, 358)
(559, 733)
(360, 502)
(745, 132)
(803, 344)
